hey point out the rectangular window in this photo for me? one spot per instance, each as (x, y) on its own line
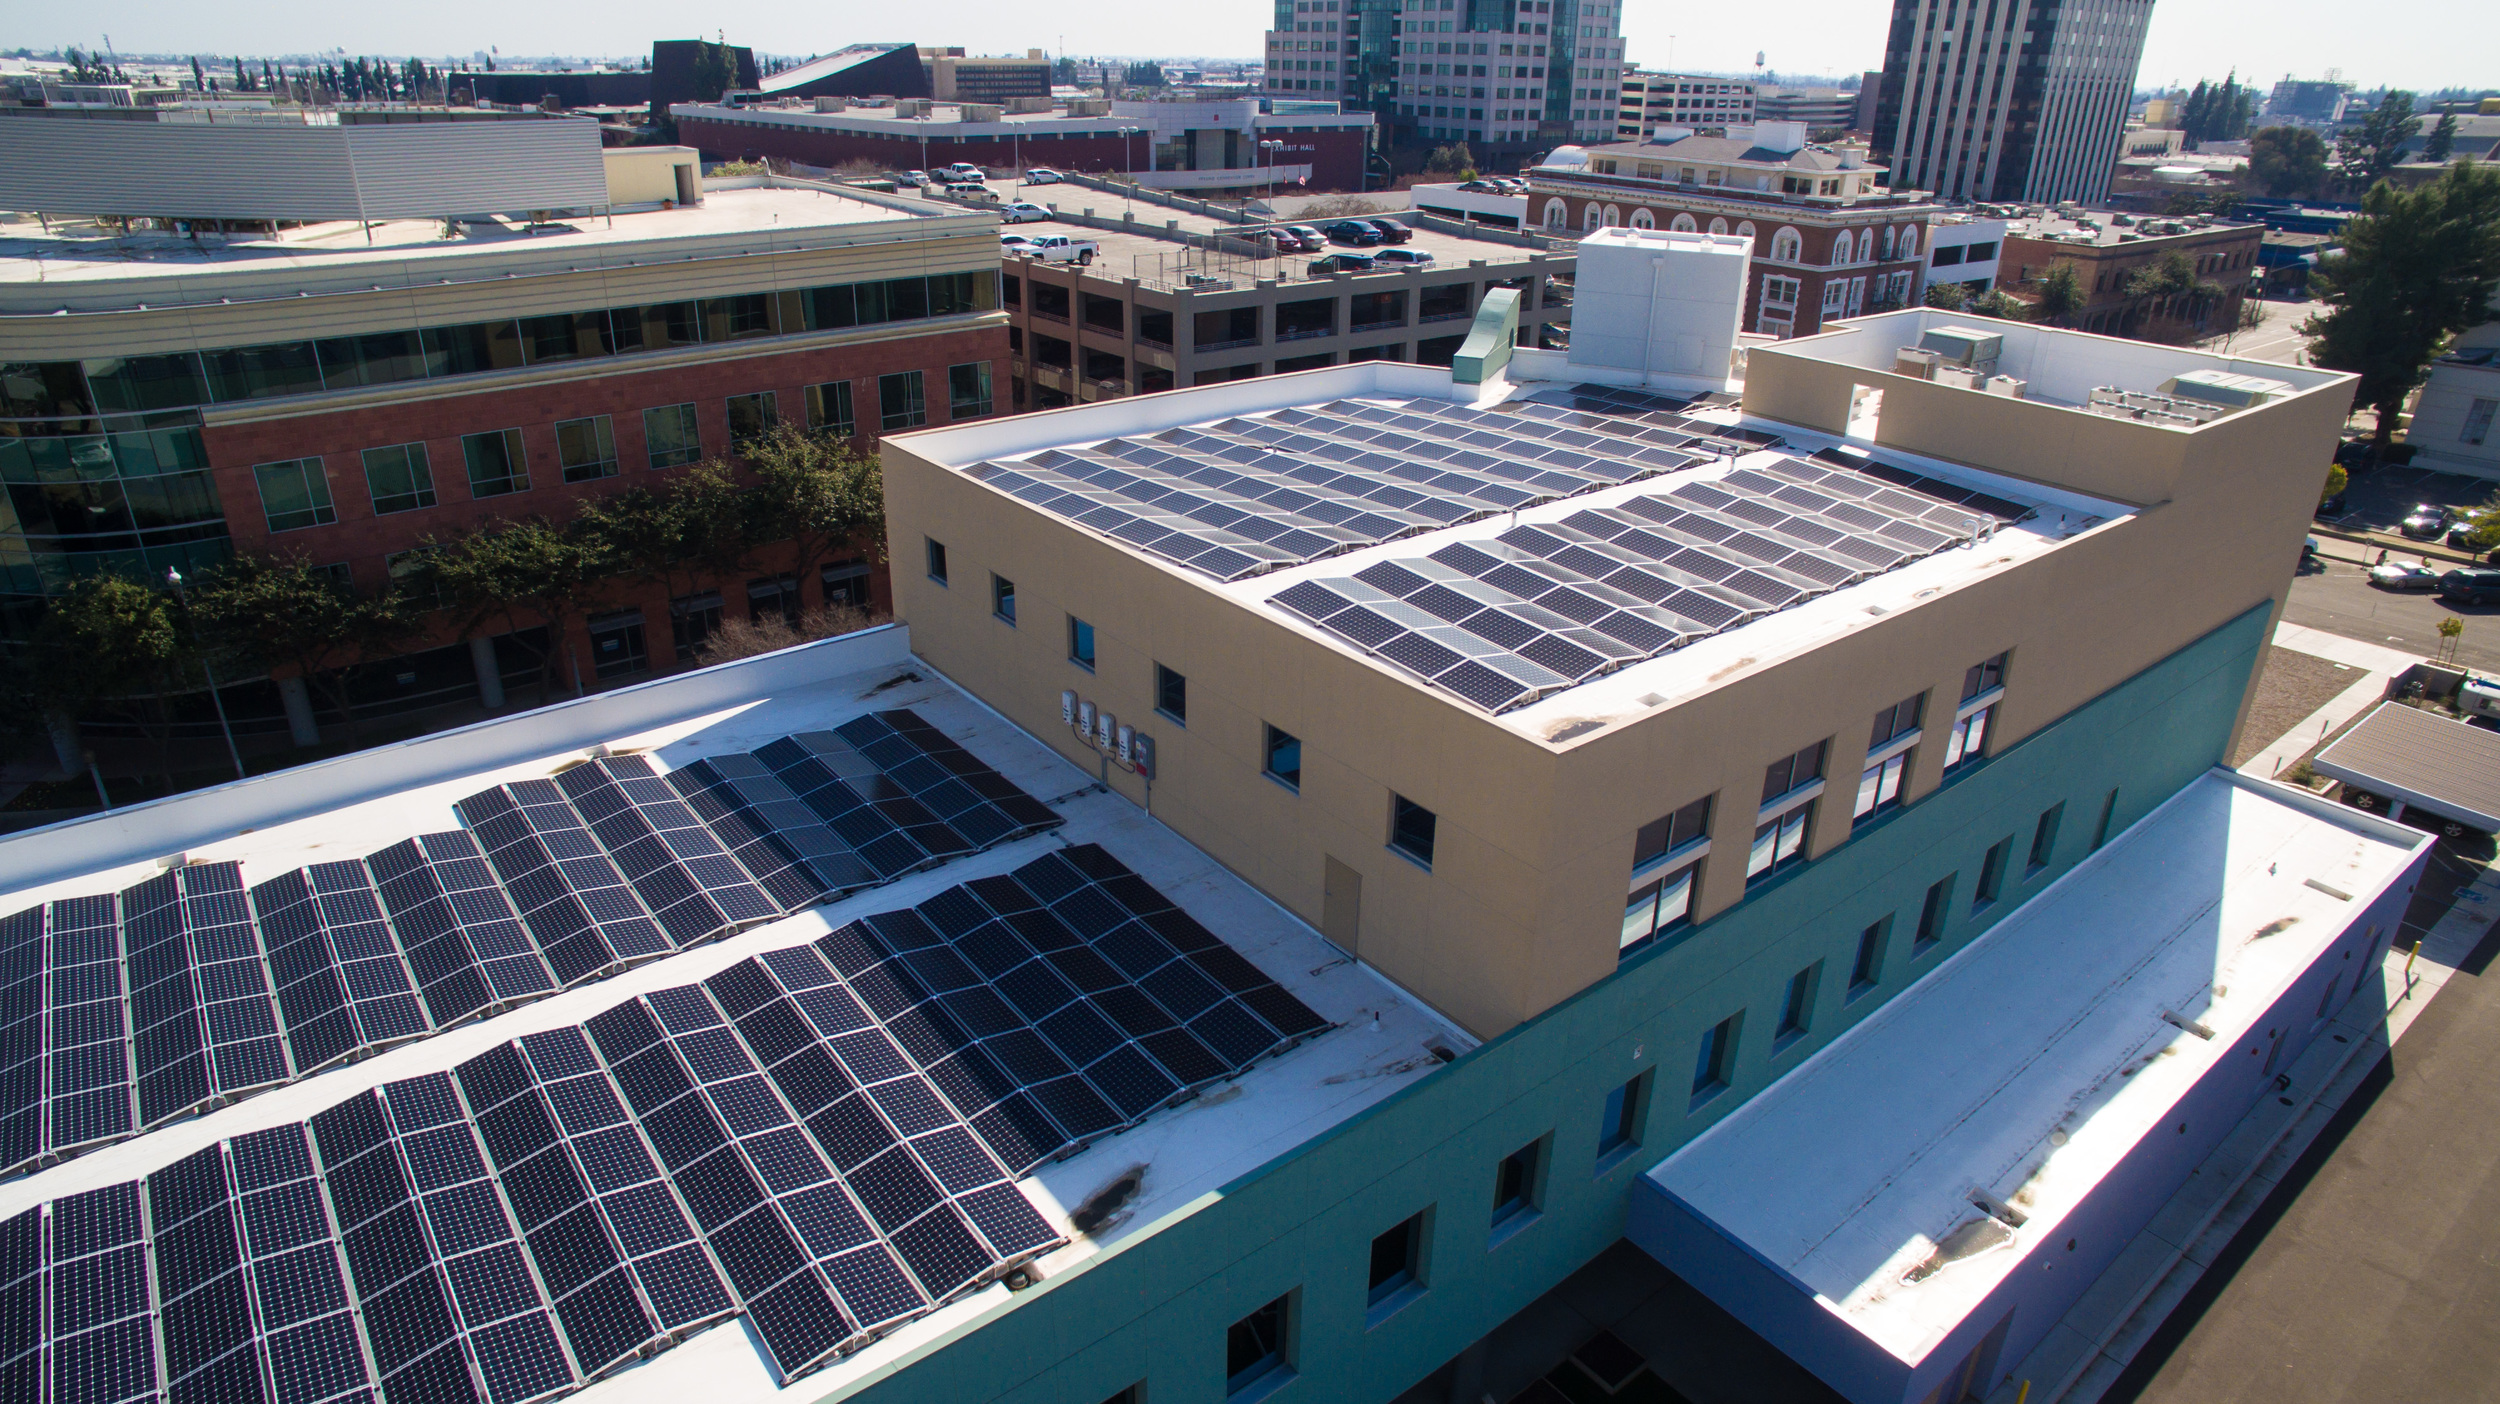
(617, 647)
(1968, 740)
(2044, 838)
(937, 561)
(497, 466)
(1257, 1349)
(1080, 643)
(845, 582)
(829, 409)
(1171, 694)
(1411, 828)
(968, 390)
(1658, 907)
(1797, 1006)
(399, 478)
(900, 404)
(1515, 1183)
(753, 416)
(1991, 882)
(1933, 915)
(586, 448)
(1982, 676)
(2109, 811)
(1866, 971)
(1284, 757)
(295, 493)
(1003, 598)
(1896, 720)
(2478, 421)
(1662, 837)
(692, 619)
(1879, 786)
(1778, 843)
(776, 597)
(1717, 1059)
(670, 436)
(1397, 1262)
(1791, 773)
(1619, 1125)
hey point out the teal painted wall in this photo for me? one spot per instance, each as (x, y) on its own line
(1155, 1308)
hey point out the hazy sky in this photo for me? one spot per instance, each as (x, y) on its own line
(2423, 44)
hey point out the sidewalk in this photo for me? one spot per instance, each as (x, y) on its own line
(2379, 665)
(2094, 1343)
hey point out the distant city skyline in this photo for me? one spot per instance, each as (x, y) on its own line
(2189, 39)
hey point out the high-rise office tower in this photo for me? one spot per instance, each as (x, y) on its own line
(2008, 100)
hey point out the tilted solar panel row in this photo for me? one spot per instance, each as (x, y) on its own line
(824, 1138)
(1243, 496)
(1548, 606)
(120, 1013)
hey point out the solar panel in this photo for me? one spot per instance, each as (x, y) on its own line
(202, 1024)
(22, 1311)
(87, 1083)
(395, 1275)
(776, 838)
(464, 943)
(577, 906)
(343, 988)
(203, 1302)
(316, 1352)
(21, 1038)
(100, 1339)
(695, 895)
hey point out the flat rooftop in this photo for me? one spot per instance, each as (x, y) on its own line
(1558, 558)
(1153, 254)
(2107, 233)
(1375, 1042)
(2029, 1065)
(2450, 768)
(88, 266)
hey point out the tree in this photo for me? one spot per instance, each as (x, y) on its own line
(2061, 291)
(292, 614)
(199, 76)
(2366, 153)
(690, 529)
(2000, 304)
(2417, 268)
(2336, 481)
(715, 71)
(1949, 296)
(2443, 137)
(814, 491)
(2287, 162)
(1454, 160)
(112, 639)
(522, 572)
(2174, 274)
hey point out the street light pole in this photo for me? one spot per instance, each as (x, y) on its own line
(174, 578)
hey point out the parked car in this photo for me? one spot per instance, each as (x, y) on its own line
(2472, 585)
(1312, 242)
(1390, 230)
(1412, 258)
(1024, 212)
(2461, 531)
(2404, 575)
(2426, 521)
(1291, 238)
(2330, 506)
(1355, 232)
(1013, 243)
(971, 190)
(1041, 175)
(963, 170)
(1059, 248)
(1342, 263)
(1483, 187)
(915, 179)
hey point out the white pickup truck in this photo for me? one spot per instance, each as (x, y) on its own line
(1059, 248)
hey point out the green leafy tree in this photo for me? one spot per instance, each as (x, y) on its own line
(2443, 138)
(2000, 304)
(715, 71)
(816, 492)
(290, 614)
(2336, 481)
(675, 536)
(2366, 153)
(2417, 268)
(1949, 296)
(2061, 292)
(521, 573)
(113, 641)
(1454, 159)
(2175, 273)
(2287, 162)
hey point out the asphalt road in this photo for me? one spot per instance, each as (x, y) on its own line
(2339, 598)
(2279, 339)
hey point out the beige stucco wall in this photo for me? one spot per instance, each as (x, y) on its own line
(1524, 902)
(647, 175)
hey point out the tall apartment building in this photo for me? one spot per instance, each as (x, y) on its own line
(1510, 78)
(1347, 852)
(2008, 103)
(1830, 239)
(400, 363)
(1654, 99)
(955, 76)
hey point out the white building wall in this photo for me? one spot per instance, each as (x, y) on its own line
(2458, 406)
(1659, 303)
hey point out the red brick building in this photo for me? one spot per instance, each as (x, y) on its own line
(313, 396)
(1830, 241)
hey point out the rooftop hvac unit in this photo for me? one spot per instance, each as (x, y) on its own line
(1967, 347)
(1913, 361)
(982, 111)
(832, 104)
(2226, 388)
(911, 107)
(2005, 385)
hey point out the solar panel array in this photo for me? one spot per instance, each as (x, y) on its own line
(122, 1012)
(1539, 608)
(825, 1138)
(1250, 495)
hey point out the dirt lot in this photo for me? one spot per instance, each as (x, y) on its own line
(2293, 685)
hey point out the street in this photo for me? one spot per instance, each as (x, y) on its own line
(2279, 339)
(2337, 596)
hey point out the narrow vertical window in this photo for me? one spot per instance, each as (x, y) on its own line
(1866, 971)
(1935, 913)
(1991, 884)
(1797, 1006)
(1171, 694)
(2044, 838)
(937, 561)
(1080, 643)
(1716, 1060)
(1003, 598)
(1283, 758)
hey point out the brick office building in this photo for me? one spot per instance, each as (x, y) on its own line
(1830, 240)
(320, 397)
(2108, 254)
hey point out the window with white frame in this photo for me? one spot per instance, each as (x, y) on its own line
(1779, 292)
(1666, 855)
(1895, 735)
(2478, 421)
(1787, 246)
(1834, 292)
(1789, 788)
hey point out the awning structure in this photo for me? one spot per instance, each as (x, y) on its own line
(1913, 1208)
(2422, 761)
